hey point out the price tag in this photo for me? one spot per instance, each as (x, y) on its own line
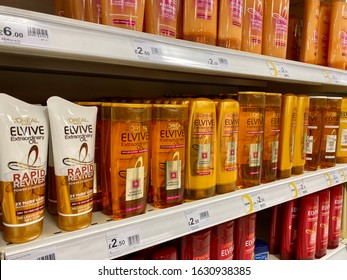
(330, 77)
(19, 31)
(337, 177)
(46, 253)
(278, 69)
(298, 188)
(119, 242)
(197, 218)
(217, 61)
(328, 179)
(253, 202)
(343, 175)
(145, 50)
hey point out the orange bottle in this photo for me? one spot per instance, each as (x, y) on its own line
(309, 42)
(161, 17)
(75, 9)
(128, 14)
(337, 54)
(275, 31)
(230, 24)
(293, 42)
(323, 33)
(252, 28)
(93, 11)
(200, 21)
(59, 7)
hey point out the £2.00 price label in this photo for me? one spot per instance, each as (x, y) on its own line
(120, 242)
(253, 202)
(197, 218)
(278, 69)
(297, 188)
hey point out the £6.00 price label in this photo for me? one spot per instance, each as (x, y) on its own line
(253, 202)
(297, 188)
(119, 242)
(197, 218)
(18, 31)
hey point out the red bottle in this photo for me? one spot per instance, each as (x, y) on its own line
(307, 229)
(276, 229)
(290, 217)
(196, 246)
(323, 223)
(336, 202)
(222, 247)
(165, 253)
(245, 237)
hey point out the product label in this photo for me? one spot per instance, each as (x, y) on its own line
(323, 223)
(173, 175)
(255, 155)
(229, 140)
(335, 215)
(331, 144)
(343, 42)
(280, 23)
(271, 134)
(256, 22)
(226, 251)
(309, 145)
(344, 137)
(124, 3)
(168, 9)
(331, 127)
(311, 229)
(274, 153)
(236, 9)
(204, 9)
(135, 182)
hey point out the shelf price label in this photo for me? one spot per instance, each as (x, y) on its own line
(328, 179)
(19, 31)
(215, 61)
(253, 202)
(145, 50)
(330, 77)
(278, 69)
(119, 242)
(297, 188)
(197, 218)
(45, 253)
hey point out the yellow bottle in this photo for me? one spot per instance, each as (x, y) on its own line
(309, 41)
(337, 54)
(252, 26)
(287, 135)
(323, 33)
(330, 131)
(130, 130)
(303, 105)
(201, 149)
(275, 31)
(230, 24)
(271, 136)
(168, 154)
(251, 131)
(314, 131)
(200, 21)
(227, 132)
(341, 151)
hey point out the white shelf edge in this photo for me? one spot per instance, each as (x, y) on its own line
(84, 41)
(158, 226)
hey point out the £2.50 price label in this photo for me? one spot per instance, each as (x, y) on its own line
(197, 218)
(120, 242)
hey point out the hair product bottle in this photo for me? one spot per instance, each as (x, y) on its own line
(336, 202)
(303, 106)
(59, 7)
(230, 24)
(271, 136)
(289, 230)
(249, 156)
(315, 131)
(275, 28)
(344, 213)
(308, 226)
(161, 17)
(245, 237)
(168, 153)
(222, 245)
(201, 148)
(227, 132)
(323, 33)
(75, 9)
(323, 223)
(341, 150)
(165, 253)
(130, 130)
(337, 53)
(287, 135)
(309, 41)
(293, 41)
(331, 123)
(128, 14)
(73, 130)
(252, 27)
(51, 194)
(276, 229)
(196, 246)
(200, 21)
(93, 11)
(23, 155)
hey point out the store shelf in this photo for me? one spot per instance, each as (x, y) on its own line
(159, 226)
(42, 36)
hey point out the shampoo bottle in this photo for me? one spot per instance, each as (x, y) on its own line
(323, 33)
(196, 246)
(341, 150)
(323, 223)
(336, 202)
(222, 245)
(276, 229)
(245, 237)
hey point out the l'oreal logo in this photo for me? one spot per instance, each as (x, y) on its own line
(25, 121)
(174, 126)
(256, 15)
(77, 120)
(312, 212)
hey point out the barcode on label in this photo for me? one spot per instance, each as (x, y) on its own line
(47, 257)
(133, 240)
(38, 32)
(155, 50)
(204, 215)
(223, 61)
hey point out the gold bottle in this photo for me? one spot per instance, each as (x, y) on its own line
(341, 152)
(271, 136)
(251, 130)
(227, 134)
(201, 149)
(287, 135)
(299, 159)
